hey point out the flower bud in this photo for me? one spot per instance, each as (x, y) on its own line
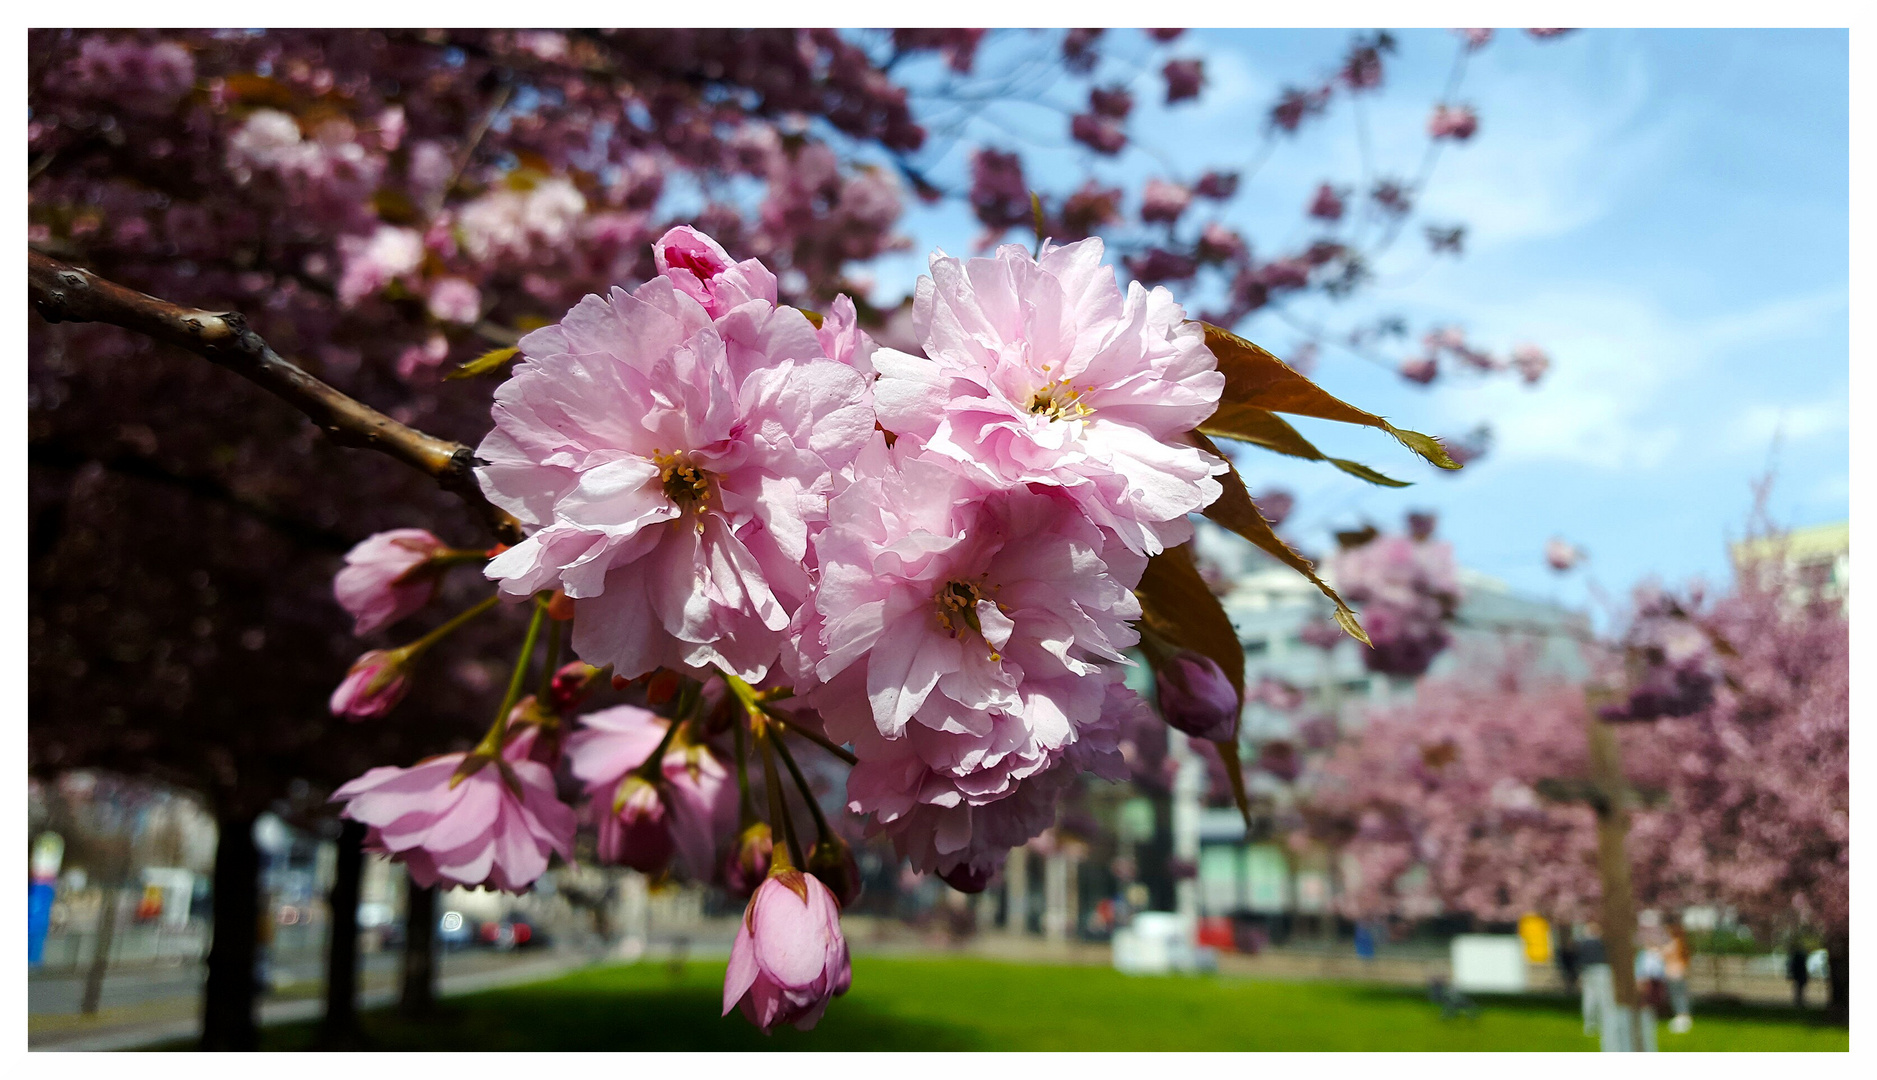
(534, 733)
(633, 830)
(832, 860)
(967, 877)
(789, 958)
(1197, 698)
(662, 687)
(571, 686)
(377, 681)
(748, 861)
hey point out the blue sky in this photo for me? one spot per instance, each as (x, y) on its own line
(1665, 212)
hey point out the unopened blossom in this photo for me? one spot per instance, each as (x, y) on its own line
(1184, 78)
(371, 263)
(388, 576)
(697, 798)
(454, 300)
(746, 863)
(789, 957)
(1164, 201)
(633, 831)
(1041, 371)
(375, 684)
(1457, 122)
(495, 826)
(669, 466)
(1197, 698)
(832, 860)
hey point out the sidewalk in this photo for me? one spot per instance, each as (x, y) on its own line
(132, 1027)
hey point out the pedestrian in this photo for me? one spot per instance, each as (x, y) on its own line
(1566, 955)
(1675, 958)
(1651, 992)
(1798, 971)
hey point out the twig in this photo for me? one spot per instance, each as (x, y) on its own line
(819, 740)
(61, 292)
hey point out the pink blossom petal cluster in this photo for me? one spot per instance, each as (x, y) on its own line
(1042, 372)
(386, 577)
(686, 809)
(670, 463)
(496, 826)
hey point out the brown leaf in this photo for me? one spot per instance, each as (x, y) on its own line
(1235, 772)
(1177, 610)
(1235, 510)
(1269, 430)
(1256, 380)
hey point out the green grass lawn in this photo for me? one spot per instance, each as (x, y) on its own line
(957, 1004)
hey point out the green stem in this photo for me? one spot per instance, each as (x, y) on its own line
(492, 742)
(553, 662)
(822, 741)
(745, 806)
(784, 856)
(653, 767)
(808, 795)
(417, 648)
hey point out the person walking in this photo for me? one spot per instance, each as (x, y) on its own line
(1651, 993)
(1565, 953)
(1675, 958)
(1798, 971)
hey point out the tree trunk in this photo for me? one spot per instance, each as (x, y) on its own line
(1619, 903)
(1838, 954)
(339, 1030)
(420, 964)
(113, 897)
(228, 997)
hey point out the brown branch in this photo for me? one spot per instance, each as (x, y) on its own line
(61, 292)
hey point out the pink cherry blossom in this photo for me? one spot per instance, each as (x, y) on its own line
(426, 357)
(1164, 201)
(375, 684)
(1531, 362)
(843, 340)
(702, 270)
(670, 465)
(454, 300)
(495, 827)
(789, 957)
(1043, 372)
(1102, 134)
(387, 577)
(371, 263)
(1457, 122)
(1184, 78)
(1561, 554)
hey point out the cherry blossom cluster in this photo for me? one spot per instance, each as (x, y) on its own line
(1407, 588)
(776, 525)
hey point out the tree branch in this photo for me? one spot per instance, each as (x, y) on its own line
(61, 292)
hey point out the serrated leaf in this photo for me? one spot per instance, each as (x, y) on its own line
(487, 362)
(1257, 380)
(1177, 607)
(1261, 427)
(1235, 510)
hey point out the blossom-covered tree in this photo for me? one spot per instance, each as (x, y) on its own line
(679, 466)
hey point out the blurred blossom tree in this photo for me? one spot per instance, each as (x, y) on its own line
(380, 204)
(1734, 733)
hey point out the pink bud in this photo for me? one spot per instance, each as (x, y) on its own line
(789, 958)
(832, 860)
(633, 829)
(377, 681)
(1197, 698)
(747, 863)
(388, 576)
(571, 686)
